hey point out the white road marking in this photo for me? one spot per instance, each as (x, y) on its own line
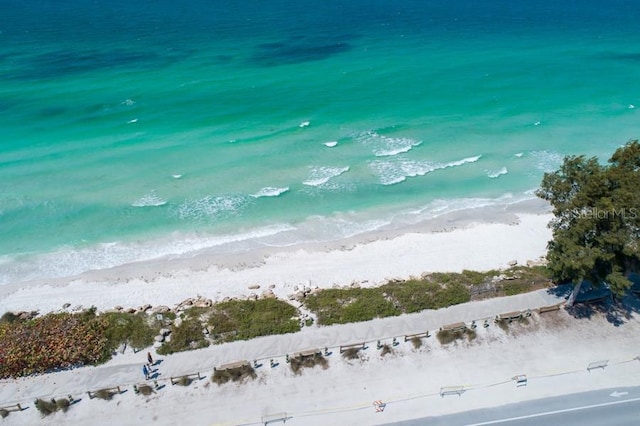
(548, 413)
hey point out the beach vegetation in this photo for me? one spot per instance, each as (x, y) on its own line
(503, 324)
(9, 318)
(49, 407)
(238, 374)
(4, 412)
(416, 342)
(51, 342)
(522, 279)
(145, 390)
(246, 319)
(63, 404)
(136, 330)
(340, 306)
(183, 381)
(106, 394)
(300, 362)
(186, 336)
(596, 224)
(351, 353)
(386, 350)
(446, 337)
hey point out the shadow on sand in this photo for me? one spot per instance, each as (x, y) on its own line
(617, 311)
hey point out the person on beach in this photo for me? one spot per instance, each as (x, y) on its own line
(149, 358)
(145, 372)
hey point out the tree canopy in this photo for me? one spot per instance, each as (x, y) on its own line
(597, 218)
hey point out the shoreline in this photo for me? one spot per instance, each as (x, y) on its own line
(476, 239)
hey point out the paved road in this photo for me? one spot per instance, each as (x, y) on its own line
(610, 407)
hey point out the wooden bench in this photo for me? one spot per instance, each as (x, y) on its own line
(310, 353)
(423, 335)
(116, 391)
(550, 308)
(189, 377)
(510, 316)
(598, 364)
(14, 407)
(356, 346)
(456, 326)
(233, 365)
(450, 390)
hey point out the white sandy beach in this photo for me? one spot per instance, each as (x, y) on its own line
(375, 260)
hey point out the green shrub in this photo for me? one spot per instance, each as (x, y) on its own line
(46, 407)
(386, 350)
(63, 404)
(239, 374)
(416, 342)
(183, 381)
(133, 329)
(525, 279)
(300, 362)
(9, 318)
(340, 306)
(246, 319)
(105, 394)
(185, 337)
(448, 336)
(503, 324)
(471, 334)
(145, 390)
(351, 353)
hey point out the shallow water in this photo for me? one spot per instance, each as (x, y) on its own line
(131, 131)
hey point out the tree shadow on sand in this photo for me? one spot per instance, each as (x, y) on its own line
(617, 311)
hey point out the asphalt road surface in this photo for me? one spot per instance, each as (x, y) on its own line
(607, 407)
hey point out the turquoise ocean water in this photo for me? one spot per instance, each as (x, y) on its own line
(131, 130)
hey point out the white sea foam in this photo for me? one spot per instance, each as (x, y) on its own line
(461, 162)
(128, 102)
(149, 200)
(546, 161)
(393, 172)
(321, 175)
(176, 176)
(135, 120)
(304, 123)
(631, 106)
(331, 144)
(384, 146)
(537, 123)
(270, 191)
(212, 207)
(519, 155)
(497, 173)
(68, 261)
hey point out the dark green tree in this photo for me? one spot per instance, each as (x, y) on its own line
(597, 217)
